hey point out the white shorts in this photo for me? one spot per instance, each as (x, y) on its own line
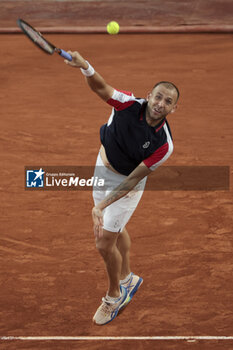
(118, 213)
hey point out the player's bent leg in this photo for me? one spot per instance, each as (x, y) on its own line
(116, 294)
(129, 280)
(123, 245)
(107, 248)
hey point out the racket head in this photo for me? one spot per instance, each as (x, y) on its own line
(36, 37)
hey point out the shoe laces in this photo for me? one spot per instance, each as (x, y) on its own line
(107, 306)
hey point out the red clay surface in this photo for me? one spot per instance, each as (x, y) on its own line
(52, 278)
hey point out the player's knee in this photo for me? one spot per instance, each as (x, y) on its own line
(103, 247)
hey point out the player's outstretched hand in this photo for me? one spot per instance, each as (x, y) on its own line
(97, 217)
(77, 60)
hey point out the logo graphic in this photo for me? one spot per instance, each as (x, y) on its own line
(116, 224)
(146, 144)
(35, 178)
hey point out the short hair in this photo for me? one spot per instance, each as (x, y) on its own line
(168, 85)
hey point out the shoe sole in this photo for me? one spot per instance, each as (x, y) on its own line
(116, 311)
(130, 296)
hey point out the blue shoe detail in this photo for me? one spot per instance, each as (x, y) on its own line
(132, 292)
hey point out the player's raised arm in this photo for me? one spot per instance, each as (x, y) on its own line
(94, 79)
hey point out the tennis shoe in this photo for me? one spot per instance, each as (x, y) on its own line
(131, 286)
(108, 310)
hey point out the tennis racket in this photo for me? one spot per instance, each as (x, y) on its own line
(37, 38)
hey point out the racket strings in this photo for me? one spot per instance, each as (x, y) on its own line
(36, 37)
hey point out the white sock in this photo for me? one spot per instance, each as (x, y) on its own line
(127, 278)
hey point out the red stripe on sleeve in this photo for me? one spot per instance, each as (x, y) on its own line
(119, 105)
(156, 156)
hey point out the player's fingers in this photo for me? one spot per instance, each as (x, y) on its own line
(100, 231)
(97, 217)
(96, 231)
(74, 55)
(100, 220)
(72, 64)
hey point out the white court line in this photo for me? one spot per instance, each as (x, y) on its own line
(188, 338)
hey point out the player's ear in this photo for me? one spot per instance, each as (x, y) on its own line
(174, 109)
(148, 96)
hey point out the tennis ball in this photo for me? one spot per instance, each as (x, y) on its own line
(113, 27)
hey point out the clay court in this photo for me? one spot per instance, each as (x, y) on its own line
(52, 278)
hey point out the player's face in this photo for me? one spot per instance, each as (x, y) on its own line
(161, 102)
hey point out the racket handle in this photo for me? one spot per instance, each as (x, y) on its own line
(65, 55)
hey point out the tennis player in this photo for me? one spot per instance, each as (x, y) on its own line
(135, 141)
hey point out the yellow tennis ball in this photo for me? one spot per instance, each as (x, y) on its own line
(113, 27)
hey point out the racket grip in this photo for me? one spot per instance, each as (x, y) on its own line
(65, 55)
